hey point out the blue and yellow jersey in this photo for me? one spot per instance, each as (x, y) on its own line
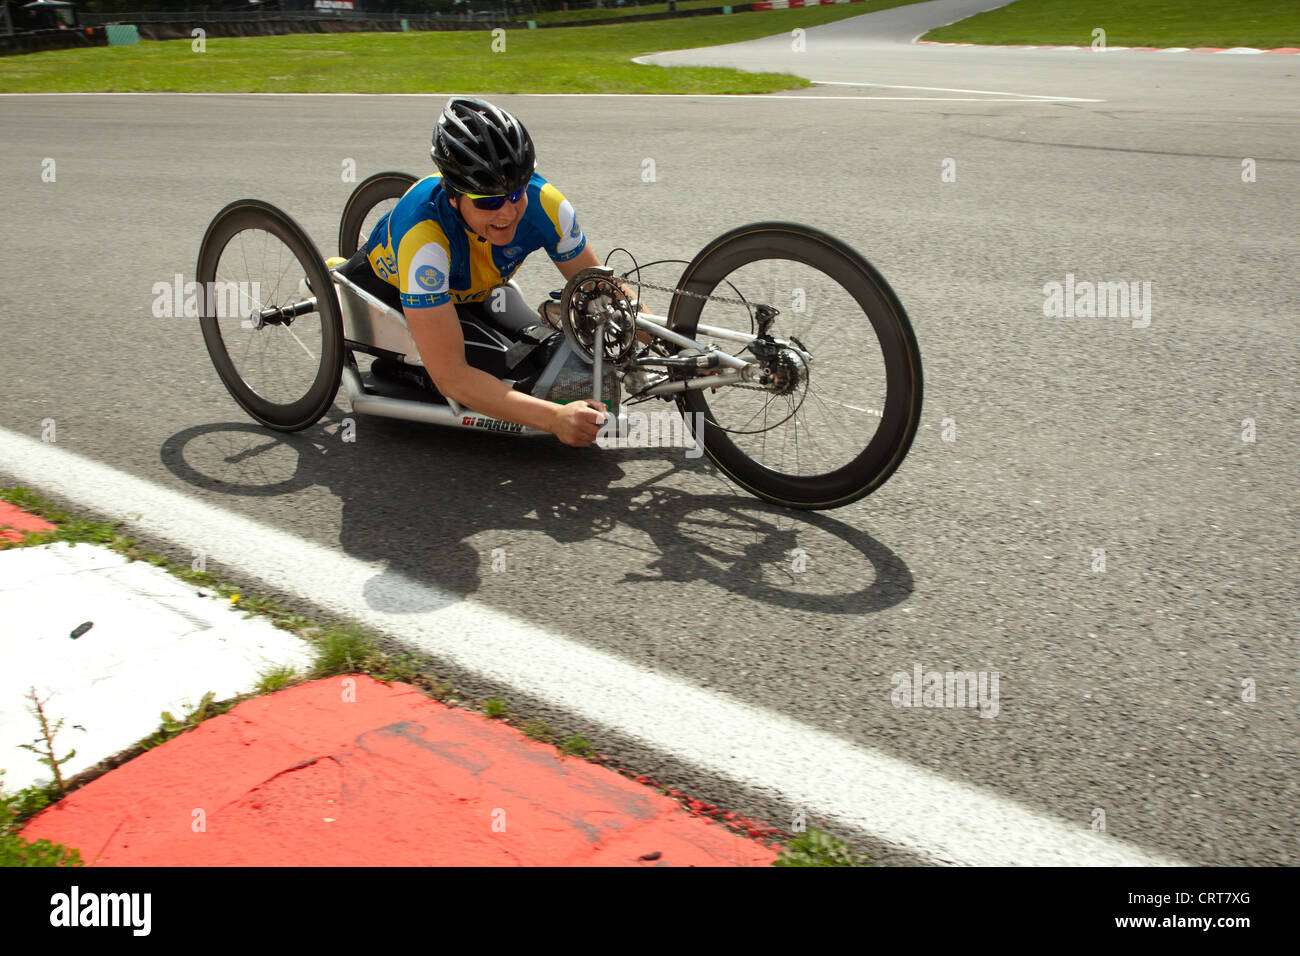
(424, 249)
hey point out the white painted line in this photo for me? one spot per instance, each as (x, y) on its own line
(1240, 49)
(829, 778)
(814, 96)
(180, 93)
(945, 89)
(1018, 98)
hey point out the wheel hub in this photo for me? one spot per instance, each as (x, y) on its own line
(787, 373)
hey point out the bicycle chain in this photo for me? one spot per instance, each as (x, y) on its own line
(692, 295)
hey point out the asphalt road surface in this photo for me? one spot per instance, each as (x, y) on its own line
(1155, 685)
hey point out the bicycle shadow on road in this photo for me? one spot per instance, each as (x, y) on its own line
(413, 496)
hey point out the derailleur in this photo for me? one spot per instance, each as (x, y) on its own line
(780, 368)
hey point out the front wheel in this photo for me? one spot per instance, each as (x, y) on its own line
(370, 202)
(270, 315)
(822, 432)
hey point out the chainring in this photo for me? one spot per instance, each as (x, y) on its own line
(589, 296)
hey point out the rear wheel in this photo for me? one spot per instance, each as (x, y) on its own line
(830, 430)
(370, 202)
(270, 315)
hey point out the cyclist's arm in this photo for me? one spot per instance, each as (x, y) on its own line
(568, 236)
(586, 259)
(441, 344)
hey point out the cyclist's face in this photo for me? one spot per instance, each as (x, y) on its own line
(496, 225)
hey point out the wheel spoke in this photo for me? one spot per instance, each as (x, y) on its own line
(257, 260)
(309, 352)
(832, 401)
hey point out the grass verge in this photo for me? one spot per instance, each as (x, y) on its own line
(564, 60)
(15, 809)
(342, 648)
(818, 848)
(1263, 24)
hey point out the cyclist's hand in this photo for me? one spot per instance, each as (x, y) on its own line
(578, 423)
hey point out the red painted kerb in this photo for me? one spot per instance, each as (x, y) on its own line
(14, 522)
(353, 772)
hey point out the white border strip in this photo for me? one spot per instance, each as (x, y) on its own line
(945, 89)
(1099, 49)
(825, 776)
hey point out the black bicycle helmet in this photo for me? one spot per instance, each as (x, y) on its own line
(481, 149)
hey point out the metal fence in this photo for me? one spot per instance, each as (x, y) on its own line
(170, 25)
(483, 11)
(240, 16)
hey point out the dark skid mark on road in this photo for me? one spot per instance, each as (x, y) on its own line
(1124, 149)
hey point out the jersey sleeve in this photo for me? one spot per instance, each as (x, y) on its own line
(424, 267)
(562, 236)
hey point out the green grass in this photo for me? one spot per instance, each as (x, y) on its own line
(292, 622)
(818, 848)
(276, 677)
(71, 529)
(566, 60)
(344, 650)
(15, 810)
(1191, 23)
(338, 649)
(170, 726)
(576, 745)
(406, 668)
(538, 730)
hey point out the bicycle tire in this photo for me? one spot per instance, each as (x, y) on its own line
(898, 420)
(371, 192)
(252, 216)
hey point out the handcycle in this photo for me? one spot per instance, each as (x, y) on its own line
(810, 405)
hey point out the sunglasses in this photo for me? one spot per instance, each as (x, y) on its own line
(495, 202)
